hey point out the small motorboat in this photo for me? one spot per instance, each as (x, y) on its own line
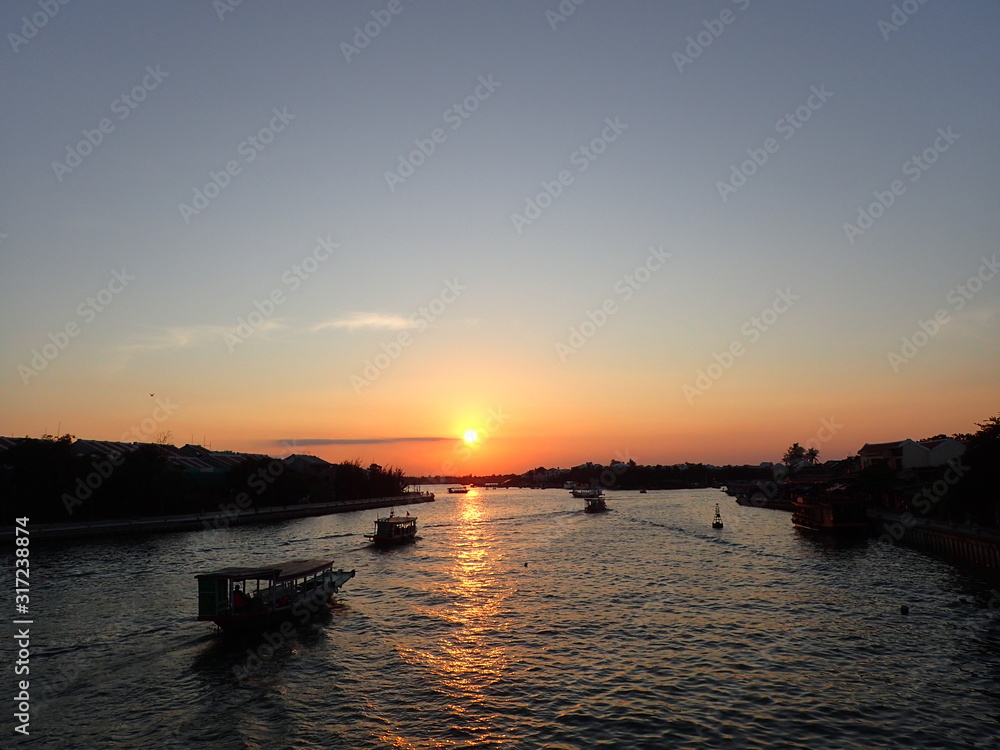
(392, 530)
(595, 504)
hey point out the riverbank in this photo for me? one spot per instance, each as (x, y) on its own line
(972, 544)
(210, 521)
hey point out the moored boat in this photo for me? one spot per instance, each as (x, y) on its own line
(392, 530)
(830, 512)
(251, 598)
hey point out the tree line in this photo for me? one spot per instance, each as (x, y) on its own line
(45, 480)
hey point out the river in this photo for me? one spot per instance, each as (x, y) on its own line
(518, 621)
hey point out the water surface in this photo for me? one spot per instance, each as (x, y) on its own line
(518, 621)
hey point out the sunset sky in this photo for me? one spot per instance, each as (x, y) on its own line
(661, 231)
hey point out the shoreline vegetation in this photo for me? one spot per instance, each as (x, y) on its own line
(59, 480)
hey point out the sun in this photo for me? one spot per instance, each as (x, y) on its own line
(470, 436)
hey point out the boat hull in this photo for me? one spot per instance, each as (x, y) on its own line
(390, 541)
(842, 516)
(254, 623)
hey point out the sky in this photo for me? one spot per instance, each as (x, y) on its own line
(691, 231)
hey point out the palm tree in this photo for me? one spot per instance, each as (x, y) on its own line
(795, 455)
(812, 456)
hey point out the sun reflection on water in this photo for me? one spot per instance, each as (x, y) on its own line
(464, 663)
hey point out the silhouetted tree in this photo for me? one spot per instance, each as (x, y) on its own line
(795, 455)
(976, 494)
(36, 475)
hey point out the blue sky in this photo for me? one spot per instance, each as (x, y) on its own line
(208, 84)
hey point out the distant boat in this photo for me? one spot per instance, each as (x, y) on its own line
(461, 490)
(252, 598)
(595, 504)
(588, 493)
(717, 521)
(392, 530)
(642, 492)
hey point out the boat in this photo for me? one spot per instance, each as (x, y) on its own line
(595, 504)
(717, 521)
(588, 493)
(392, 530)
(458, 490)
(642, 492)
(830, 512)
(759, 499)
(252, 598)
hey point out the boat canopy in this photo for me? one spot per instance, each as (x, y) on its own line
(398, 519)
(284, 571)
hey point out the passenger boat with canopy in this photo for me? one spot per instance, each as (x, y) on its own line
(392, 530)
(251, 598)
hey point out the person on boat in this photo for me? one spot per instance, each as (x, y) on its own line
(239, 599)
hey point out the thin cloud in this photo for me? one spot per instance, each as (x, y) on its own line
(360, 441)
(359, 320)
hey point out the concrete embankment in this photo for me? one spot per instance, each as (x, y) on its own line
(228, 516)
(972, 544)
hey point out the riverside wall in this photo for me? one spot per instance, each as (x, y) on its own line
(210, 521)
(968, 543)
